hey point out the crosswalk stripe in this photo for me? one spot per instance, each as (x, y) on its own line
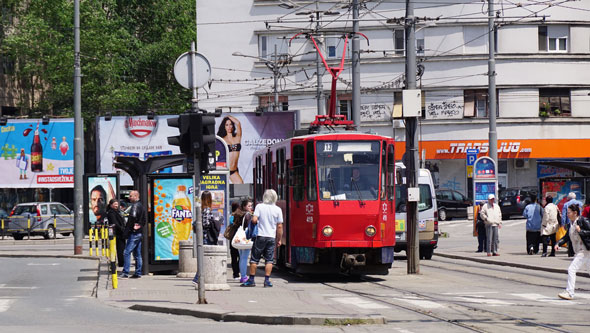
(544, 299)
(361, 303)
(491, 301)
(420, 303)
(5, 304)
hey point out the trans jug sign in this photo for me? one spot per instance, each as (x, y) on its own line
(36, 155)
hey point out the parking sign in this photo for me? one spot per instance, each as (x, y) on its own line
(471, 156)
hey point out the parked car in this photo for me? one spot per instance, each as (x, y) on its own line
(513, 200)
(40, 218)
(451, 204)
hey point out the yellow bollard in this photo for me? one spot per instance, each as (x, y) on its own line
(29, 228)
(3, 231)
(55, 226)
(113, 257)
(102, 240)
(90, 231)
(96, 241)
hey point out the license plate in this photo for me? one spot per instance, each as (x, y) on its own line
(507, 203)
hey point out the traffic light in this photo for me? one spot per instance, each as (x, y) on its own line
(183, 141)
(206, 128)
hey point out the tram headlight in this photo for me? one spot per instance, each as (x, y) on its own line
(370, 231)
(327, 231)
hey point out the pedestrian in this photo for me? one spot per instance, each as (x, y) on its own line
(211, 224)
(117, 221)
(135, 223)
(578, 233)
(534, 216)
(244, 217)
(269, 218)
(480, 227)
(564, 219)
(549, 226)
(491, 214)
(233, 252)
(586, 208)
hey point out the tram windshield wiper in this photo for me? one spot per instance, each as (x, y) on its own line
(358, 190)
(333, 189)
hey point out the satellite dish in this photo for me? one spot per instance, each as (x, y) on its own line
(183, 72)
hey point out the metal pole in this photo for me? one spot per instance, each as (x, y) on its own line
(318, 62)
(493, 136)
(194, 76)
(413, 250)
(275, 74)
(356, 66)
(199, 228)
(78, 139)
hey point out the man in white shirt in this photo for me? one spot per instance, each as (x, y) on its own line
(269, 218)
(492, 217)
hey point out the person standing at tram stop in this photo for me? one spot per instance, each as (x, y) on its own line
(492, 217)
(578, 234)
(211, 224)
(230, 131)
(244, 217)
(136, 221)
(233, 252)
(549, 226)
(269, 218)
(118, 223)
(533, 213)
(480, 230)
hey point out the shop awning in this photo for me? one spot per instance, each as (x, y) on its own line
(581, 167)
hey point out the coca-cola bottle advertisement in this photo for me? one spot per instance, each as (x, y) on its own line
(36, 153)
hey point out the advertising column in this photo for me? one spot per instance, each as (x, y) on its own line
(485, 181)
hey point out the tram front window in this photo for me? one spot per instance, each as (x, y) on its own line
(348, 170)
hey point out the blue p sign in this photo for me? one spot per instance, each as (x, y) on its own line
(471, 159)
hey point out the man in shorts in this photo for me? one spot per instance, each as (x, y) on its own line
(269, 218)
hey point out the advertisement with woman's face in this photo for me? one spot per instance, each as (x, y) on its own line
(245, 133)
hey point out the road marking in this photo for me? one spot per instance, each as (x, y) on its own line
(420, 303)
(402, 330)
(361, 303)
(3, 286)
(491, 302)
(37, 264)
(543, 298)
(5, 304)
(471, 293)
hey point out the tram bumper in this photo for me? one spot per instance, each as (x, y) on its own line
(352, 260)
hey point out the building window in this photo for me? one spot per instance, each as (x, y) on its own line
(554, 102)
(476, 103)
(553, 38)
(335, 47)
(398, 41)
(267, 102)
(343, 105)
(266, 46)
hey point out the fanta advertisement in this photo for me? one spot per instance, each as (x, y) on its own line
(172, 198)
(35, 155)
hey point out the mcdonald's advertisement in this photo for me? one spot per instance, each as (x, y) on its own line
(172, 201)
(35, 155)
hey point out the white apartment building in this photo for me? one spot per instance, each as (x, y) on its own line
(542, 74)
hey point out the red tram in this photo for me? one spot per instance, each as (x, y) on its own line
(336, 191)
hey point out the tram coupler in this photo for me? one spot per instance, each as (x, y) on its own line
(353, 260)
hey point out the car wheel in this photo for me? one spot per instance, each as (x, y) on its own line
(50, 233)
(18, 236)
(442, 214)
(426, 252)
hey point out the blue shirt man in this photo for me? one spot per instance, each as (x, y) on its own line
(534, 216)
(572, 200)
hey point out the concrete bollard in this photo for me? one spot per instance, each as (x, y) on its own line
(187, 265)
(215, 266)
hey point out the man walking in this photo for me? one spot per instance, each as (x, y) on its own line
(269, 218)
(565, 221)
(492, 217)
(534, 216)
(136, 222)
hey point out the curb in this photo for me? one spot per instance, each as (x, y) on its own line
(509, 264)
(63, 256)
(263, 319)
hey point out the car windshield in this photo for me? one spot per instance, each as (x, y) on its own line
(348, 170)
(508, 193)
(20, 210)
(401, 194)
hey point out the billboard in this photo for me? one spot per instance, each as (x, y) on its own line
(36, 155)
(138, 136)
(98, 191)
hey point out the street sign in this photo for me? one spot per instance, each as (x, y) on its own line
(183, 70)
(471, 156)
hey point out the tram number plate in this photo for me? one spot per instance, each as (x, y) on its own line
(400, 225)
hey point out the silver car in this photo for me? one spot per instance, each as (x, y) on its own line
(40, 218)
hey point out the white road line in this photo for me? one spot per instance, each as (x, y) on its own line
(38, 264)
(491, 302)
(361, 303)
(402, 330)
(544, 299)
(420, 303)
(584, 296)
(5, 304)
(471, 293)
(3, 286)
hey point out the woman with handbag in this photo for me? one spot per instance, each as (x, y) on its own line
(229, 234)
(549, 226)
(242, 217)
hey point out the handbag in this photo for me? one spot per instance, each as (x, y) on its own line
(240, 242)
(252, 230)
(230, 231)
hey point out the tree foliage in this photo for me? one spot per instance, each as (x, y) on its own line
(127, 49)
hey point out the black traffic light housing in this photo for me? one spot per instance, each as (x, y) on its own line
(183, 141)
(206, 126)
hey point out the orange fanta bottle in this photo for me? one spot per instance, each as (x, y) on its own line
(181, 217)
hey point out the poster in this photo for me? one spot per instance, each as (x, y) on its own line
(35, 155)
(560, 188)
(172, 202)
(245, 133)
(100, 189)
(216, 184)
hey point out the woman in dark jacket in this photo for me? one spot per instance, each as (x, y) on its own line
(118, 223)
(578, 234)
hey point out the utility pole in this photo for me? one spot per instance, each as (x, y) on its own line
(356, 66)
(493, 136)
(319, 66)
(412, 251)
(78, 139)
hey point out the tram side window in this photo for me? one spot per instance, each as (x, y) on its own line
(281, 188)
(390, 172)
(311, 175)
(258, 179)
(383, 170)
(298, 173)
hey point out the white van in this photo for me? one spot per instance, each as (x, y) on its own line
(427, 212)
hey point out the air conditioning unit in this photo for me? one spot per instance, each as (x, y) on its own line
(521, 163)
